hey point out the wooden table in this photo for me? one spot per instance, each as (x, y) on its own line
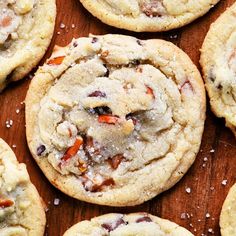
(215, 162)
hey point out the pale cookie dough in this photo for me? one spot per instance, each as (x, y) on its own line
(21, 209)
(26, 28)
(135, 224)
(218, 61)
(228, 214)
(114, 120)
(148, 15)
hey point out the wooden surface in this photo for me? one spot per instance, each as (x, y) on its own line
(204, 178)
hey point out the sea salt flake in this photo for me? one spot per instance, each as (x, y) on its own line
(56, 201)
(188, 190)
(224, 182)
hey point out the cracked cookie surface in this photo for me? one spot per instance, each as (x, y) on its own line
(114, 120)
(148, 15)
(135, 224)
(218, 61)
(21, 209)
(26, 28)
(228, 214)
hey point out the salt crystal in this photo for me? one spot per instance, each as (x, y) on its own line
(62, 26)
(224, 182)
(188, 190)
(56, 201)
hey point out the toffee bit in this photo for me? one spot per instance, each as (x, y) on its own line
(4, 203)
(104, 53)
(116, 160)
(72, 151)
(40, 150)
(144, 219)
(108, 119)
(97, 94)
(150, 92)
(56, 61)
(97, 187)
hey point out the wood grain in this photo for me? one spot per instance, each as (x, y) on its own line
(204, 178)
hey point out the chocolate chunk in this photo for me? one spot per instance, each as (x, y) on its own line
(94, 40)
(97, 94)
(135, 62)
(153, 8)
(144, 219)
(40, 150)
(100, 110)
(139, 42)
(112, 226)
(107, 72)
(4, 203)
(75, 44)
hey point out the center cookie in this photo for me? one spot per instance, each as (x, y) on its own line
(114, 120)
(148, 15)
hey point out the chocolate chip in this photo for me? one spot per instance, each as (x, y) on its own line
(144, 219)
(112, 226)
(97, 94)
(219, 86)
(107, 72)
(94, 40)
(135, 62)
(75, 44)
(139, 42)
(100, 110)
(40, 150)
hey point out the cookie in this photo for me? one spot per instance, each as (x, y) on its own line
(114, 120)
(21, 209)
(218, 61)
(26, 28)
(148, 15)
(135, 224)
(228, 214)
